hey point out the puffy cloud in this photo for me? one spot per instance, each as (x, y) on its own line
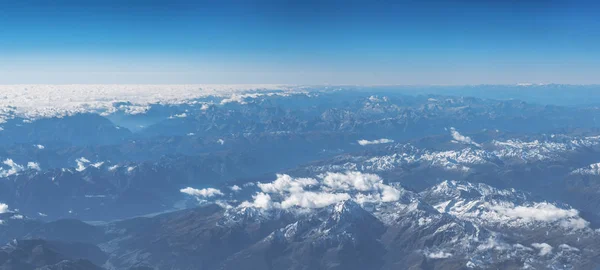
(13, 168)
(380, 141)
(3, 208)
(261, 200)
(311, 199)
(461, 138)
(235, 188)
(33, 166)
(205, 192)
(285, 183)
(361, 182)
(39, 146)
(352, 180)
(325, 190)
(544, 248)
(390, 194)
(544, 212)
(438, 255)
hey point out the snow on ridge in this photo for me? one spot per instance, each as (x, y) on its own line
(41, 101)
(592, 169)
(484, 204)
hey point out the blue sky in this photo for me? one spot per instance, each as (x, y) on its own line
(300, 42)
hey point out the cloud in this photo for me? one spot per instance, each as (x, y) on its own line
(13, 168)
(544, 212)
(462, 139)
(352, 180)
(235, 188)
(33, 166)
(544, 248)
(285, 183)
(359, 181)
(311, 199)
(181, 115)
(438, 255)
(41, 101)
(327, 189)
(3, 208)
(261, 200)
(205, 192)
(390, 194)
(39, 146)
(240, 98)
(380, 141)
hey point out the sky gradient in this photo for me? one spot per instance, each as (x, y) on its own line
(299, 42)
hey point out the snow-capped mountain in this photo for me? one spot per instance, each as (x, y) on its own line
(300, 178)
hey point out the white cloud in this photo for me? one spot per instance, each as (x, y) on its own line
(309, 199)
(13, 168)
(438, 255)
(181, 115)
(380, 141)
(544, 212)
(235, 188)
(325, 190)
(33, 166)
(113, 167)
(390, 194)
(544, 248)
(359, 181)
(3, 208)
(205, 192)
(240, 98)
(462, 139)
(39, 146)
(261, 200)
(352, 180)
(40, 101)
(221, 141)
(285, 183)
